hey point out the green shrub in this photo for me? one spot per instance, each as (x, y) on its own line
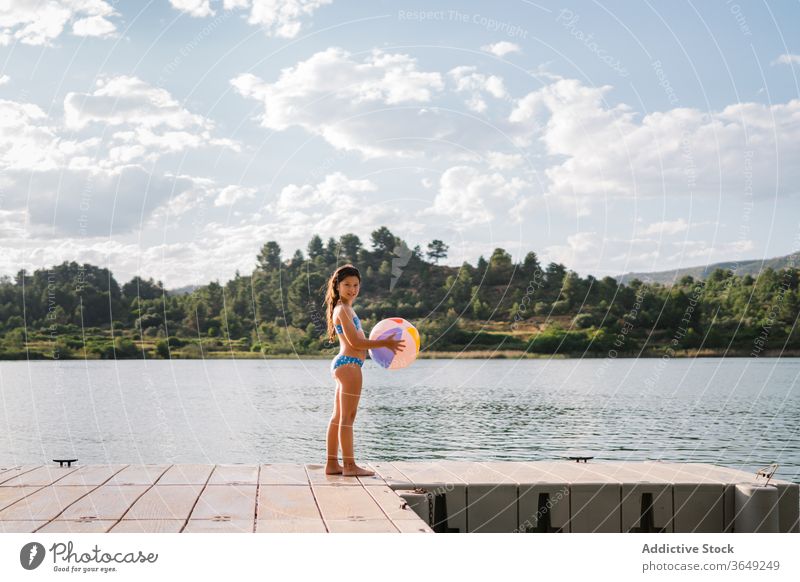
(162, 349)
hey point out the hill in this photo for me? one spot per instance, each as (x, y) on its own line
(747, 267)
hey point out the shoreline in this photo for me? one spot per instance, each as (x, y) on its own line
(443, 355)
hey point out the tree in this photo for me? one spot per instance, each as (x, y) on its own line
(383, 242)
(437, 250)
(575, 289)
(315, 247)
(500, 267)
(554, 278)
(144, 289)
(332, 252)
(531, 266)
(460, 288)
(304, 297)
(270, 257)
(349, 247)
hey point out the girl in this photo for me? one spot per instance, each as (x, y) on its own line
(343, 287)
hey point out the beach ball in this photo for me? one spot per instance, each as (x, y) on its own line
(398, 328)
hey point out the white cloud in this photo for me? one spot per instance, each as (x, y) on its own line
(123, 100)
(155, 123)
(665, 227)
(196, 8)
(787, 59)
(502, 161)
(90, 202)
(467, 80)
(502, 48)
(281, 18)
(609, 151)
(4, 79)
(88, 186)
(378, 105)
(233, 194)
(39, 23)
(589, 252)
(335, 191)
(468, 197)
(29, 140)
(93, 26)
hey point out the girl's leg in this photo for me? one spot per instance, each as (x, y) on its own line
(350, 377)
(332, 466)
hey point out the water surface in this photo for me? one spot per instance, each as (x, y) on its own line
(741, 413)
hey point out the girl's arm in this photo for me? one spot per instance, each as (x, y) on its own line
(351, 333)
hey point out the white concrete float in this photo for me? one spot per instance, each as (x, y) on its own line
(594, 496)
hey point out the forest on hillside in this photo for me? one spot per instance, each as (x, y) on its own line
(495, 307)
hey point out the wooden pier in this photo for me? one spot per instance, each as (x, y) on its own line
(277, 498)
(402, 497)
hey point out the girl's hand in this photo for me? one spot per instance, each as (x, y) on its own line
(396, 345)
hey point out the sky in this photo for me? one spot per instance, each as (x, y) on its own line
(173, 138)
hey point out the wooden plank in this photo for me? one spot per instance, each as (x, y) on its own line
(46, 503)
(231, 502)
(219, 526)
(286, 502)
(338, 503)
(148, 526)
(283, 474)
(105, 502)
(361, 526)
(15, 472)
(234, 475)
(91, 475)
(393, 476)
(317, 476)
(395, 507)
(290, 526)
(20, 526)
(9, 495)
(41, 476)
(164, 502)
(373, 480)
(192, 474)
(85, 526)
(139, 475)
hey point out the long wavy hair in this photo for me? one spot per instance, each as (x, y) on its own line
(332, 293)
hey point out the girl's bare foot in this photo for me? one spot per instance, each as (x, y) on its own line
(332, 467)
(356, 471)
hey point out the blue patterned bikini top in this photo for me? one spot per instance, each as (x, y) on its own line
(356, 321)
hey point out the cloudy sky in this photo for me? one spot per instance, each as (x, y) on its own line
(172, 138)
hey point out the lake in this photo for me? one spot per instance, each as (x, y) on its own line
(740, 413)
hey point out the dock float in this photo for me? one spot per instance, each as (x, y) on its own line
(402, 497)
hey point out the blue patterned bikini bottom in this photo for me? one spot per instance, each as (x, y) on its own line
(342, 359)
